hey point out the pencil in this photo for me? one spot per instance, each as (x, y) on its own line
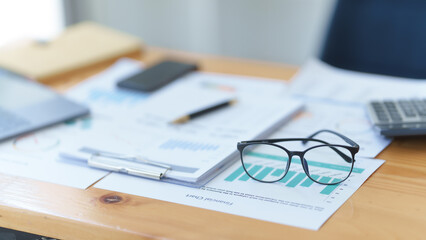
(199, 113)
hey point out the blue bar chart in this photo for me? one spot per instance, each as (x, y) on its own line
(118, 96)
(310, 162)
(262, 168)
(84, 123)
(292, 179)
(188, 145)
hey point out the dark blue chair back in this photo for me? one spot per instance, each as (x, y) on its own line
(378, 36)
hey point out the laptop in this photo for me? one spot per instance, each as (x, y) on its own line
(26, 106)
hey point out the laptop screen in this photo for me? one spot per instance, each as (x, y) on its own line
(17, 92)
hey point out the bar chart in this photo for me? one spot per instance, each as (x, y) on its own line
(292, 179)
(172, 144)
(84, 123)
(272, 166)
(116, 96)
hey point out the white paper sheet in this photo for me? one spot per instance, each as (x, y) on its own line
(35, 156)
(102, 95)
(193, 148)
(349, 120)
(336, 99)
(318, 80)
(295, 202)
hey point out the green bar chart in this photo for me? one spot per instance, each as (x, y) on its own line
(235, 174)
(292, 179)
(310, 162)
(252, 171)
(288, 176)
(296, 180)
(308, 182)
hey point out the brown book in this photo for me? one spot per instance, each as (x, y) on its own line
(79, 46)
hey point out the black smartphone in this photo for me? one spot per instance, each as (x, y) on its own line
(157, 76)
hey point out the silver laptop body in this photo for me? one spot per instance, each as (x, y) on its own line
(26, 106)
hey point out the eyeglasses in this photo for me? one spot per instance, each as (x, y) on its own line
(324, 163)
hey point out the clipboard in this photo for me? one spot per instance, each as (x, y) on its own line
(135, 165)
(128, 164)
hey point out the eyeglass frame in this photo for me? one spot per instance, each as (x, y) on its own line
(353, 149)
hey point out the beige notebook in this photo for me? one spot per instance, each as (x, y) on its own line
(78, 46)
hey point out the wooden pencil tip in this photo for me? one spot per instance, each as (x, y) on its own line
(181, 120)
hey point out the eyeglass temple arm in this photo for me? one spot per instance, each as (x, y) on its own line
(346, 139)
(345, 157)
(341, 154)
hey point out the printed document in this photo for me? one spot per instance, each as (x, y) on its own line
(336, 99)
(297, 201)
(319, 80)
(195, 149)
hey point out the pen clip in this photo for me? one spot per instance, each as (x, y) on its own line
(132, 165)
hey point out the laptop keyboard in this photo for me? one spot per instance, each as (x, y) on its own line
(10, 121)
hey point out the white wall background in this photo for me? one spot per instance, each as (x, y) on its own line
(21, 19)
(276, 30)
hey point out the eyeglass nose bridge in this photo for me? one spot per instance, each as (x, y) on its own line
(297, 153)
(300, 154)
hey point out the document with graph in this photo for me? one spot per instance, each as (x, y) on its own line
(295, 200)
(130, 123)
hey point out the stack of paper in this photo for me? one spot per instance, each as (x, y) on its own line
(296, 200)
(198, 149)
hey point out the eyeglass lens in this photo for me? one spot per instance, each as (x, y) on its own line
(325, 164)
(265, 162)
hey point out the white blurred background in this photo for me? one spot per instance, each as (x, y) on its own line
(30, 19)
(288, 31)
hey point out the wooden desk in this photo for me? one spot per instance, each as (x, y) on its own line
(390, 205)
